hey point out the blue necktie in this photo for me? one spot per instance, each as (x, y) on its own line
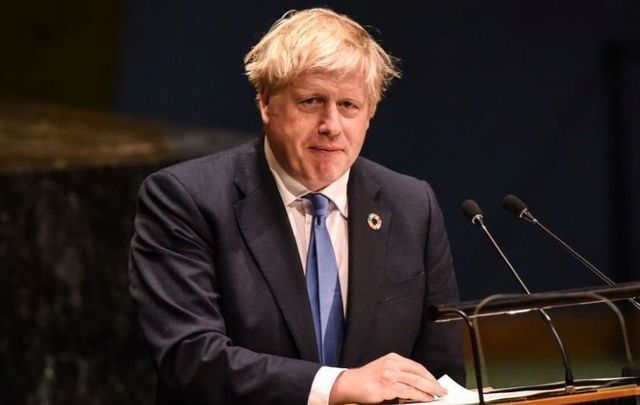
(323, 285)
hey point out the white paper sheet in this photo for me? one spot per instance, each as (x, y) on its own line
(458, 395)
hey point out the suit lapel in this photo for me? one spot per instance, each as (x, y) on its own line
(263, 222)
(367, 253)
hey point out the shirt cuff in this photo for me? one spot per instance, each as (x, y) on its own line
(322, 385)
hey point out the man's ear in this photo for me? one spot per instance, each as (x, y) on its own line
(372, 112)
(263, 105)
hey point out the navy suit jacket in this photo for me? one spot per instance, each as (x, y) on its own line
(221, 295)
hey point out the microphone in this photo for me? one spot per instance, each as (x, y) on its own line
(518, 208)
(472, 211)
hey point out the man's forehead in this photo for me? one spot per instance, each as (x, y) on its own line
(337, 81)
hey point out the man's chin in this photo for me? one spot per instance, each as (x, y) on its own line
(317, 183)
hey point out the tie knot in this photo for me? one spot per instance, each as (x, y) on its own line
(320, 204)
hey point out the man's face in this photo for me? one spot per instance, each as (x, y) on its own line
(316, 125)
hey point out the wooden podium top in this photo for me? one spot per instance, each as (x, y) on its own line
(592, 396)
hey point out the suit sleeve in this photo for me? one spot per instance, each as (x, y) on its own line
(174, 287)
(439, 345)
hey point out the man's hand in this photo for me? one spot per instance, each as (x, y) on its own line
(389, 377)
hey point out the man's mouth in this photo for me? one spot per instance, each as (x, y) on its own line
(325, 149)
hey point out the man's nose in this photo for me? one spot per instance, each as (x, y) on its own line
(329, 124)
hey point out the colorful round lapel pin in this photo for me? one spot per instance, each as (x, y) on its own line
(374, 221)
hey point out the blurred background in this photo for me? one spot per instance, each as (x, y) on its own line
(536, 98)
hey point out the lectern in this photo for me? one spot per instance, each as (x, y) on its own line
(578, 391)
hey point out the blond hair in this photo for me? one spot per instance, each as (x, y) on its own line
(318, 39)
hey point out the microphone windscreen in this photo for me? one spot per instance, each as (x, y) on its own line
(470, 209)
(513, 204)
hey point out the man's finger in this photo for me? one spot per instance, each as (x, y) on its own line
(410, 366)
(421, 383)
(408, 392)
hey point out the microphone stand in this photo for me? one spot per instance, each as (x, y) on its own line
(568, 375)
(516, 206)
(527, 216)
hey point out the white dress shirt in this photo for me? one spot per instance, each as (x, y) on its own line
(300, 214)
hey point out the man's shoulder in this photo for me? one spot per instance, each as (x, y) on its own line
(388, 178)
(409, 198)
(217, 164)
(213, 174)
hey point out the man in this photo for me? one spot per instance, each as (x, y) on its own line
(290, 270)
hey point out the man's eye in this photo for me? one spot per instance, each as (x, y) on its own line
(310, 101)
(348, 105)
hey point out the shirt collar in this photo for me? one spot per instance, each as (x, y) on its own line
(292, 190)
